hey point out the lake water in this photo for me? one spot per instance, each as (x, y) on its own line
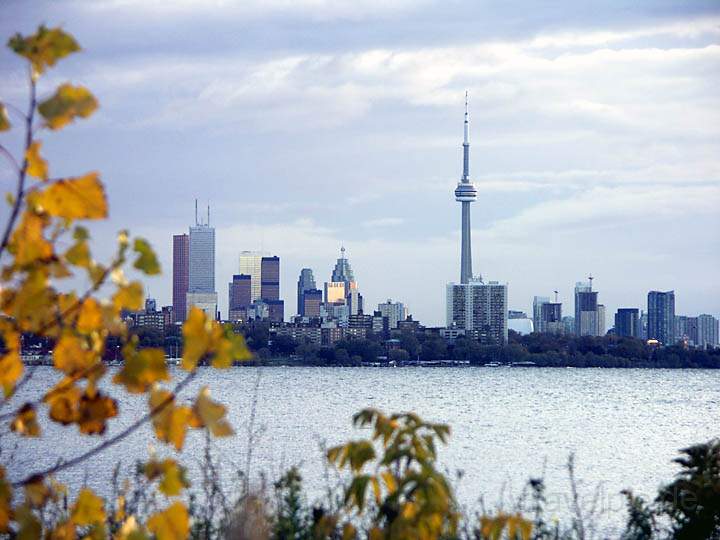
(624, 426)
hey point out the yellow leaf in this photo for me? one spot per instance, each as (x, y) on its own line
(64, 531)
(5, 501)
(129, 296)
(66, 104)
(45, 47)
(64, 402)
(170, 422)
(147, 260)
(196, 338)
(88, 509)
(71, 356)
(28, 242)
(94, 412)
(142, 369)
(4, 120)
(29, 524)
(79, 254)
(75, 198)
(36, 165)
(11, 368)
(389, 480)
(349, 532)
(36, 492)
(25, 422)
(209, 414)
(173, 476)
(90, 318)
(171, 524)
(131, 531)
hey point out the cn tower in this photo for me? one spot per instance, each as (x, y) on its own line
(465, 193)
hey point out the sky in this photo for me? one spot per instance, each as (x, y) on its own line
(311, 124)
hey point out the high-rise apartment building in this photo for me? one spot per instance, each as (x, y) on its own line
(306, 282)
(250, 264)
(270, 278)
(479, 307)
(394, 311)
(586, 310)
(181, 275)
(538, 302)
(707, 330)
(627, 322)
(686, 329)
(201, 267)
(550, 318)
(600, 320)
(661, 316)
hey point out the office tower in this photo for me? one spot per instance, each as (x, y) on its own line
(181, 275)
(686, 329)
(201, 275)
(276, 310)
(568, 324)
(465, 193)
(270, 278)
(707, 331)
(334, 293)
(239, 296)
(551, 318)
(394, 311)
(479, 307)
(600, 320)
(342, 288)
(627, 322)
(150, 305)
(538, 301)
(250, 264)
(354, 301)
(312, 299)
(342, 273)
(661, 316)
(306, 282)
(586, 310)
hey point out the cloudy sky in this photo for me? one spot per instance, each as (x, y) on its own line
(307, 124)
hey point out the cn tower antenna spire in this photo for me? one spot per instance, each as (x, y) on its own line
(465, 193)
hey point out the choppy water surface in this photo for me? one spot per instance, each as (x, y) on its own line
(624, 426)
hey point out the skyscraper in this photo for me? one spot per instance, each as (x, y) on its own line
(311, 298)
(479, 307)
(306, 282)
(538, 302)
(661, 316)
(181, 275)
(627, 322)
(707, 330)
(550, 318)
(239, 296)
(465, 193)
(270, 278)
(586, 310)
(201, 275)
(250, 263)
(342, 287)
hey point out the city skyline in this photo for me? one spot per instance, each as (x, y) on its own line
(579, 175)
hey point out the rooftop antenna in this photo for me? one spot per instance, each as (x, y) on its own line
(590, 278)
(196, 214)
(342, 252)
(208, 222)
(556, 293)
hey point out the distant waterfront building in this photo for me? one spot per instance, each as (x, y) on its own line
(181, 275)
(342, 273)
(250, 264)
(568, 323)
(342, 290)
(586, 310)
(276, 310)
(661, 316)
(334, 293)
(627, 322)
(201, 275)
(643, 325)
(150, 305)
(686, 329)
(239, 297)
(312, 300)
(306, 282)
(519, 322)
(707, 330)
(269, 279)
(600, 320)
(394, 311)
(480, 307)
(538, 302)
(551, 318)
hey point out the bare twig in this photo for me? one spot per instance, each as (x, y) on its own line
(112, 441)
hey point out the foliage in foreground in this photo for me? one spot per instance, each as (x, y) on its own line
(43, 248)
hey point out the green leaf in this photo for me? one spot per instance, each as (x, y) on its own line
(147, 260)
(68, 103)
(4, 120)
(45, 47)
